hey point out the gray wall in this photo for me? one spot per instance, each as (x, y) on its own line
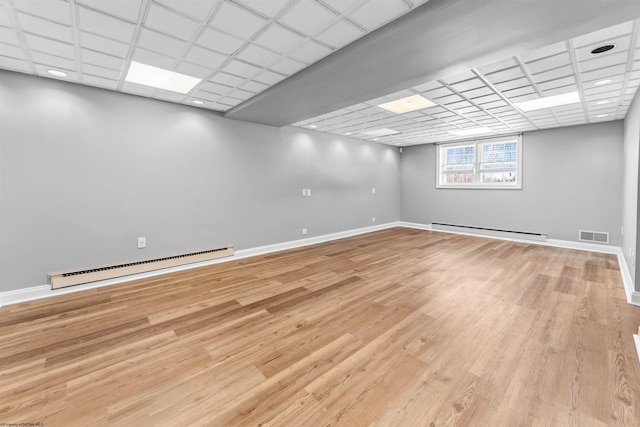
(630, 200)
(84, 172)
(571, 180)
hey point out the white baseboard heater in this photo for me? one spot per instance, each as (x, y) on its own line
(527, 235)
(78, 277)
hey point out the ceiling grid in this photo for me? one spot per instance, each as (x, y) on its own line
(241, 48)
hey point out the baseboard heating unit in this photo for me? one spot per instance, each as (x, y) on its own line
(78, 277)
(527, 235)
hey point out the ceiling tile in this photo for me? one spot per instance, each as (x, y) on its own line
(549, 63)
(12, 51)
(45, 28)
(288, 66)
(53, 61)
(102, 72)
(138, 89)
(216, 88)
(193, 70)
(238, 21)
(152, 58)
(241, 94)
(227, 79)
(197, 9)
(126, 9)
(556, 83)
(307, 17)
(205, 57)
(104, 25)
(373, 14)
(5, 17)
(505, 75)
(169, 96)
(340, 34)
(257, 55)
(603, 73)
(54, 10)
(100, 82)
(512, 84)
(205, 96)
(254, 87)
(218, 41)
(604, 61)
(269, 77)
(279, 39)
(162, 19)
(553, 74)
(342, 6)
(241, 69)
(269, 8)
(105, 45)
(467, 85)
(310, 52)
(50, 46)
(161, 43)
(9, 36)
(102, 60)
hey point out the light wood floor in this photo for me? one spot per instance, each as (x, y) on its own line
(394, 328)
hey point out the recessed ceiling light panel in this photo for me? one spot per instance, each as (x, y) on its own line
(198, 102)
(408, 104)
(381, 132)
(602, 82)
(470, 132)
(549, 102)
(159, 78)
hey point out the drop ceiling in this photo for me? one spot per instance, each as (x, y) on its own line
(238, 47)
(484, 97)
(328, 64)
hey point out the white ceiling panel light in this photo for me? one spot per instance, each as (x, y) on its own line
(159, 78)
(549, 102)
(407, 104)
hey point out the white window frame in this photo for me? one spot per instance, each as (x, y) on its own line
(476, 183)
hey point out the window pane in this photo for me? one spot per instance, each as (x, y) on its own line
(459, 158)
(504, 177)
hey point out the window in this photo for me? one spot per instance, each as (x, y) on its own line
(494, 163)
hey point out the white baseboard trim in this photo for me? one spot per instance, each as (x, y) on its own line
(633, 297)
(44, 291)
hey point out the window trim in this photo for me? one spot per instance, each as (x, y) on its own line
(477, 143)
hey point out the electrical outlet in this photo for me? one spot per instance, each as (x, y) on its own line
(622, 231)
(308, 192)
(373, 219)
(304, 192)
(304, 231)
(142, 242)
(373, 190)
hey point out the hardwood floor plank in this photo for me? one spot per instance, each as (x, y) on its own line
(398, 327)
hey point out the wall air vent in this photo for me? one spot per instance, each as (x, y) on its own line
(593, 236)
(78, 277)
